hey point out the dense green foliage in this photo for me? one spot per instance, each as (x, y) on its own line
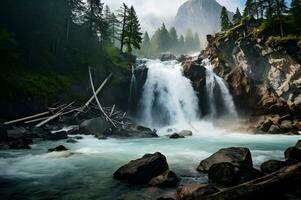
(47, 46)
(164, 41)
(225, 22)
(275, 17)
(132, 31)
(237, 17)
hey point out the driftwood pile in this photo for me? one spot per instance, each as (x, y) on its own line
(92, 108)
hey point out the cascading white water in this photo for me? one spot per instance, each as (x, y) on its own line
(215, 83)
(168, 97)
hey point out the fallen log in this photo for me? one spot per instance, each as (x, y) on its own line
(112, 111)
(27, 118)
(285, 180)
(54, 116)
(98, 90)
(97, 101)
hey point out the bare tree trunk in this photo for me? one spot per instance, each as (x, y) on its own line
(97, 101)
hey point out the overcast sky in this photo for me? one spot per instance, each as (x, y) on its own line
(152, 13)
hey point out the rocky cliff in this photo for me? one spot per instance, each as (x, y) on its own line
(264, 80)
(201, 16)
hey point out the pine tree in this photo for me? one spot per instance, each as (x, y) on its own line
(173, 38)
(146, 45)
(237, 17)
(133, 36)
(163, 40)
(261, 7)
(94, 16)
(270, 9)
(249, 9)
(295, 12)
(122, 14)
(280, 10)
(74, 10)
(114, 28)
(225, 22)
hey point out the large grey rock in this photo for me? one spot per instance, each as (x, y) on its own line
(167, 56)
(196, 191)
(95, 126)
(58, 149)
(292, 155)
(176, 136)
(20, 144)
(72, 141)
(185, 133)
(142, 170)
(271, 166)
(286, 125)
(167, 179)
(224, 174)
(16, 133)
(235, 155)
(131, 130)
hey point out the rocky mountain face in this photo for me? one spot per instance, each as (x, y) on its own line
(264, 81)
(201, 16)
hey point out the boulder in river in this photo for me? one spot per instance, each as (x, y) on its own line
(224, 174)
(71, 140)
(196, 191)
(167, 56)
(176, 136)
(142, 170)
(298, 144)
(271, 166)
(236, 155)
(185, 133)
(292, 155)
(58, 148)
(94, 126)
(167, 179)
(20, 144)
(16, 133)
(131, 130)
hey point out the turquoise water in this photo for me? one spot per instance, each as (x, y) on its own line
(85, 172)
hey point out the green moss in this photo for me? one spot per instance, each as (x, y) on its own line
(275, 41)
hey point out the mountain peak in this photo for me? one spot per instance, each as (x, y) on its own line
(201, 16)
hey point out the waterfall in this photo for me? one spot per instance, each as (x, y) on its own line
(168, 97)
(162, 96)
(219, 98)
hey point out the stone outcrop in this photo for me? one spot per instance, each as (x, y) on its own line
(143, 170)
(58, 149)
(271, 166)
(196, 191)
(265, 81)
(237, 156)
(167, 179)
